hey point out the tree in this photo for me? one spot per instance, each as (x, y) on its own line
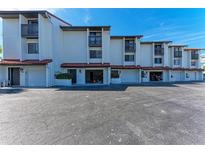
(0, 49)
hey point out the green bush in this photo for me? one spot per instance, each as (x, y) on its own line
(63, 76)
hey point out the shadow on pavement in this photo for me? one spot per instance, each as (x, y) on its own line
(11, 91)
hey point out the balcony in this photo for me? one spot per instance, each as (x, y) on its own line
(177, 54)
(29, 30)
(95, 41)
(194, 56)
(159, 51)
(130, 47)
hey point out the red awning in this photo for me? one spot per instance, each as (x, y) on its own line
(85, 65)
(156, 68)
(125, 67)
(24, 62)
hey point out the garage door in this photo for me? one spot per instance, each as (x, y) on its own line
(192, 76)
(129, 76)
(36, 76)
(177, 76)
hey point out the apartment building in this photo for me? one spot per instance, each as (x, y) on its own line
(37, 45)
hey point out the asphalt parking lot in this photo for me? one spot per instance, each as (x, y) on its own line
(150, 114)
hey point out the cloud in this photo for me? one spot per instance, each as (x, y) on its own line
(87, 17)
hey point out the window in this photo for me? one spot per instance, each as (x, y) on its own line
(95, 39)
(115, 74)
(158, 50)
(95, 53)
(129, 57)
(158, 46)
(158, 60)
(130, 46)
(194, 55)
(193, 63)
(178, 54)
(32, 48)
(177, 62)
(32, 21)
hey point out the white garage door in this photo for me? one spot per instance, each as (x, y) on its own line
(192, 76)
(129, 76)
(177, 76)
(36, 76)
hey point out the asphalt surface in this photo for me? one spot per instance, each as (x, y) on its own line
(150, 114)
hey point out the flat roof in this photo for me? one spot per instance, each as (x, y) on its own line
(29, 14)
(150, 42)
(84, 28)
(193, 49)
(126, 36)
(178, 45)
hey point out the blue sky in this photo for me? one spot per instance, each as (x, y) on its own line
(182, 26)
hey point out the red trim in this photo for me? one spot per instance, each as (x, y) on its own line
(84, 65)
(25, 62)
(125, 67)
(156, 68)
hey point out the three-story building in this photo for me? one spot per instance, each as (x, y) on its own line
(37, 45)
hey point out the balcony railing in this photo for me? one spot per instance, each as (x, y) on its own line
(95, 41)
(29, 30)
(194, 56)
(130, 47)
(177, 54)
(159, 51)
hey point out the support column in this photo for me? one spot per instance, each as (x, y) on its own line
(47, 76)
(123, 51)
(103, 50)
(153, 54)
(140, 75)
(87, 47)
(109, 75)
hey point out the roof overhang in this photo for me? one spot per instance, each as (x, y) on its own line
(150, 42)
(85, 65)
(193, 49)
(127, 36)
(178, 45)
(29, 14)
(84, 28)
(16, 62)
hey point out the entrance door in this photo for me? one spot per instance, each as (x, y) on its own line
(156, 76)
(94, 76)
(73, 75)
(14, 76)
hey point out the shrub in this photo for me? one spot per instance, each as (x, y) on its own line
(63, 76)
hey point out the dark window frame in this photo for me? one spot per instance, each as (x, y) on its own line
(97, 54)
(158, 62)
(129, 59)
(115, 74)
(32, 51)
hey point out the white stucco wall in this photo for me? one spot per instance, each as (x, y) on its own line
(11, 39)
(2, 74)
(146, 55)
(74, 47)
(45, 38)
(116, 51)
